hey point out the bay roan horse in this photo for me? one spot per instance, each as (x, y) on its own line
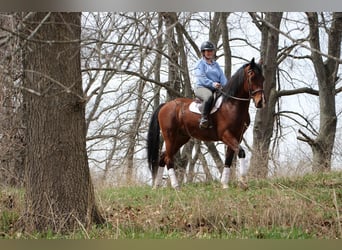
(228, 124)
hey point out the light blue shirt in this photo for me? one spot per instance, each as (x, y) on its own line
(206, 74)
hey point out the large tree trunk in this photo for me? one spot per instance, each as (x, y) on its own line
(326, 72)
(264, 118)
(59, 191)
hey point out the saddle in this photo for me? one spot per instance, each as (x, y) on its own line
(196, 105)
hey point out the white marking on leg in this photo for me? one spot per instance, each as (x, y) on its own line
(225, 177)
(242, 167)
(243, 174)
(173, 179)
(159, 177)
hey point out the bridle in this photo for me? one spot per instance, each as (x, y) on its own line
(250, 92)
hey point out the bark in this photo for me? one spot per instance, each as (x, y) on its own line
(173, 76)
(225, 41)
(59, 190)
(12, 150)
(264, 118)
(133, 133)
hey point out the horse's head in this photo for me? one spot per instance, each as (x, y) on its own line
(254, 83)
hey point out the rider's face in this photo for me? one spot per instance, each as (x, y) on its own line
(209, 54)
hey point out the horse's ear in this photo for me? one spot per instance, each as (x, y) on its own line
(252, 63)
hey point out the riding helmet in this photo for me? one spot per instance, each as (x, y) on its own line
(207, 46)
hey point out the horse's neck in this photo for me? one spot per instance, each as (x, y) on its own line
(240, 104)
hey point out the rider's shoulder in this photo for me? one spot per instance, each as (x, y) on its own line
(199, 63)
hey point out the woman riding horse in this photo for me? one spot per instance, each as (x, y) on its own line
(178, 124)
(209, 78)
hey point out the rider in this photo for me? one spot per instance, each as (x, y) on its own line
(209, 77)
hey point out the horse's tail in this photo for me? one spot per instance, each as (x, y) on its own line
(153, 141)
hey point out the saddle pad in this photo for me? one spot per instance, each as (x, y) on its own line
(194, 106)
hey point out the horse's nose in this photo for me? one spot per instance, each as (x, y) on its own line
(260, 102)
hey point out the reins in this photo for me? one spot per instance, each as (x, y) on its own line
(233, 97)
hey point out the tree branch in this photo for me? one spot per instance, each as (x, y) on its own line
(296, 41)
(308, 125)
(297, 91)
(142, 77)
(306, 138)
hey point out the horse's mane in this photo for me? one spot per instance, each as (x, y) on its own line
(235, 82)
(233, 85)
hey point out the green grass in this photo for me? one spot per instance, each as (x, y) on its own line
(283, 208)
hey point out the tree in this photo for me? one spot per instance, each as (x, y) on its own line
(264, 118)
(326, 73)
(327, 78)
(59, 190)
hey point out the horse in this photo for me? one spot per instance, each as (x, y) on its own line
(178, 124)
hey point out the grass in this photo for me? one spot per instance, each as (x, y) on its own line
(307, 207)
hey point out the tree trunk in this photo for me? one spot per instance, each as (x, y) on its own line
(59, 190)
(12, 148)
(226, 46)
(173, 53)
(264, 118)
(326, 72)
(133, 133)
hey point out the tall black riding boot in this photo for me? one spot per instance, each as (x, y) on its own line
(204, 122)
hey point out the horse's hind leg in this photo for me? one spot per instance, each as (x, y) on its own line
(172, 146)
(168, 161)
(159, 176)
(172, 174)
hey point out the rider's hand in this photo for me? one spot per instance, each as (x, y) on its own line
(217, 85)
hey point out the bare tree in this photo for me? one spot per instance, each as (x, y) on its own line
(264, 118)
(262, 131)
(327, 78)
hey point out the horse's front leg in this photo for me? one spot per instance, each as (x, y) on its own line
(226, 170)
(242, 170)
(233, 147)
(165, 160)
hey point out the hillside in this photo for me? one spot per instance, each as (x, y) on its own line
(307, 207)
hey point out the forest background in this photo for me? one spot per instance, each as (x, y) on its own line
(114, 69)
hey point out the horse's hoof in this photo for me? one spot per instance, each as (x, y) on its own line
(177, 188)
(225, 186)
